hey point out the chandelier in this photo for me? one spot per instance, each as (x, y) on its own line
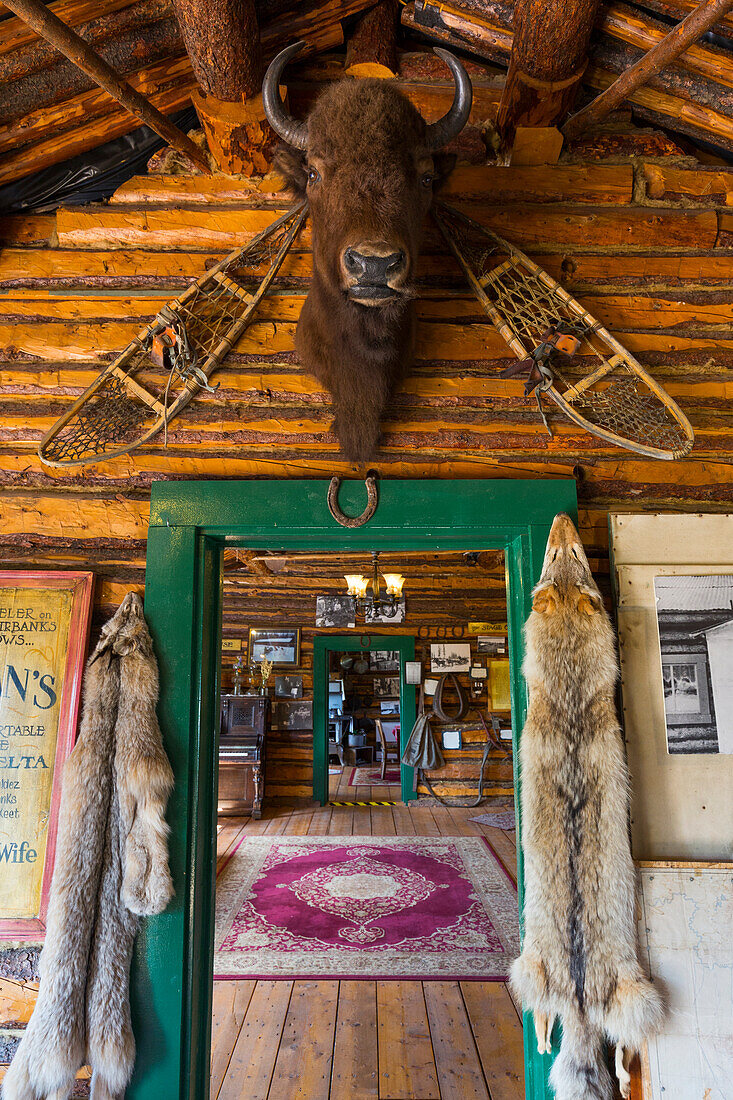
(386, 604)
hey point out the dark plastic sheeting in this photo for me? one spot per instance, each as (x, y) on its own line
(91, 176)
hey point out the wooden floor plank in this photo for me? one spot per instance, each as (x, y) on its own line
(320, 821)
(458, 822)
(278, 825)
(505, 848)
(303, 1066)
(403, 819)
(342, 821)
(498, 1035)
(406, 1062)
(299, 823)
(424, 821)
(249, 1068)
(383, 823)
(362, 821)
(230, 1002)
(456, 1058)
(355, 1074)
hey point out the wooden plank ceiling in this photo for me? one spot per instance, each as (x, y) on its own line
(448, 590)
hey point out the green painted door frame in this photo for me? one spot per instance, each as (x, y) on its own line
(190, 525)
(353, 643)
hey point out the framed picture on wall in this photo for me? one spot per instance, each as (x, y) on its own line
(387, 687)
(281, 645)
(384, 660)
(695, 622)
(292, 715)
(335, 611)
(44, 628)
(288, 687)
(450, 657)
(372, 616)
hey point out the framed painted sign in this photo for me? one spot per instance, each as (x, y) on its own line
(44, 630)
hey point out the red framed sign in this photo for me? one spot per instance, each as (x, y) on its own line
(44, 632)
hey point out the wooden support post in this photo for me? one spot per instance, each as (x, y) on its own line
(223, 43)
(657, 58)
(374, 38)
(49, 26)
(548, 59)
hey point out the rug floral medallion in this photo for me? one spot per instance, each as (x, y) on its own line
(365, 907)
(372, 777)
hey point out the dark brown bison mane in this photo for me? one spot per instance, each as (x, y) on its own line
(365, 164)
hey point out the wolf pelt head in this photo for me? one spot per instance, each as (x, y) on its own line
(568, 629)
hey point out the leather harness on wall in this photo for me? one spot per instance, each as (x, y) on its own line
(418, 754)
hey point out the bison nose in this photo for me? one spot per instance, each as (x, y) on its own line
(373, 270)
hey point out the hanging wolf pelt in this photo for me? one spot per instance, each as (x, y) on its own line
(579, 959)
(111, 868)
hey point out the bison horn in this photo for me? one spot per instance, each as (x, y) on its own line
(289, 129)
(450, 125)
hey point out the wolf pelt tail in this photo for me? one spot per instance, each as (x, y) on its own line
(580, 1072)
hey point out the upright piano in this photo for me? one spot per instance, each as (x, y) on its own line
(242, 754)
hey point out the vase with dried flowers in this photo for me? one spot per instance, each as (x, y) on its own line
(265, 670)
(238, 676)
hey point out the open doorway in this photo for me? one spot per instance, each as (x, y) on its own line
(364, 722)
(192, 525)
(372, 892)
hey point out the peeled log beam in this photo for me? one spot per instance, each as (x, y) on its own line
(50, 27)
(169, 85)
(489, 38)
(661, 55)
(21, 55)
(84, 113)
(548, 59)
(627, 26)
(678, 9)
(223, 42)
(127, 52)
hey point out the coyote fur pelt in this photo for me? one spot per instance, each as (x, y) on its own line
(579, 959)
(111, 867)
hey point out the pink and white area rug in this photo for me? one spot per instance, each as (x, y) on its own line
(372, 777)
(365, 907)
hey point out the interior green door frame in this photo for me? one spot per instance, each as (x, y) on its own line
(353, 643)
(190, 524)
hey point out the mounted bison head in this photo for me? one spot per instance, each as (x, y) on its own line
(366, 161)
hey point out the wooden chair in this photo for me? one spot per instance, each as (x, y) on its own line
(395, 753)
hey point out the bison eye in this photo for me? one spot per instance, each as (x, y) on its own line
(427, 180)
(313, 175)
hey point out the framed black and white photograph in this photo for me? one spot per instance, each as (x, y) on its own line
(288, 687)
(491, 645)
(389, 706)
(292, 715)
(384, 660)
(281, 645)
(372, 616)
(450, 657)
(695, 620)
(387, 687)
(335, 611)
